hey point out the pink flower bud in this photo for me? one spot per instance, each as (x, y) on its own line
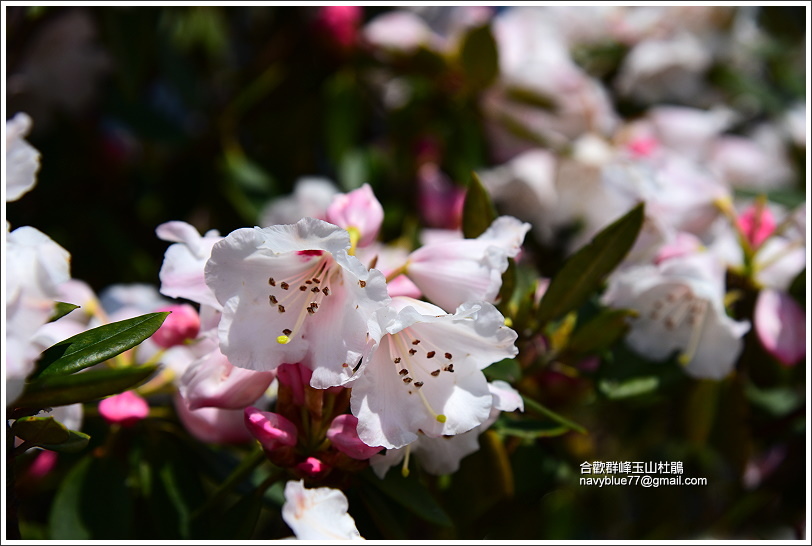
(357, 210)
(125, 409)
(182, 323)
(271, 429)
(344, 436)
(295, 377)
(340, 24)
(312, 467)
(781, 326)
(757, 223)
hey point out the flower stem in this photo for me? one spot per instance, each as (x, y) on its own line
(243, 470)
(397, 272)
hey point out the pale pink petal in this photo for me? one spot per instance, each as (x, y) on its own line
(213, 382)
(357, 210)
(213, 425)
(781, 326)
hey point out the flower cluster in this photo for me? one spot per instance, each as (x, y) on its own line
(295, 302)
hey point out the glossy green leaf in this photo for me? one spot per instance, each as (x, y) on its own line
(39, 430)
(478, 211)
(600, 332)
(97, 345)
(61, 390)
(61, 309)
(479, 57)
(584, 271)
(410, 493)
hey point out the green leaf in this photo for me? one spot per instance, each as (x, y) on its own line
(506, 370)
(635, 386)
(798, 288)
(529, 429)
(40, 430)
(584, 271)
(409, 493)
(600, 332)
(479, 57)
(530, 97)
(61, 309)
(62, 390)
(93, 502)
(239, 520)
(538, 408)
(76, 441)
(97, 345)
(478, 211)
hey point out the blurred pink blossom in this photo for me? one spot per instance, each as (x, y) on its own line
(181, 324)
(757, 223)
(124, 409)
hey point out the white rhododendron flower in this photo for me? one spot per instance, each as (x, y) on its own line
(35, 267)
(680, 308)
(22, 159)
(425, 373)
(182, 269)
(318, 514)
(451, 273)
(442, 455)
(291, 291)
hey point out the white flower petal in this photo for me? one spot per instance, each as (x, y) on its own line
(292, 294)
(22, 159)
(425, 374)
(182, 271)
(451, 273)
(318, 514)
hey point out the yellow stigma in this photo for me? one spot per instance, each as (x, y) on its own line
(355, 236)
(441, 418)
(508, 322)
(283, 340)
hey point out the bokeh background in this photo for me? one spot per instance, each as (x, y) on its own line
(206, 114)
